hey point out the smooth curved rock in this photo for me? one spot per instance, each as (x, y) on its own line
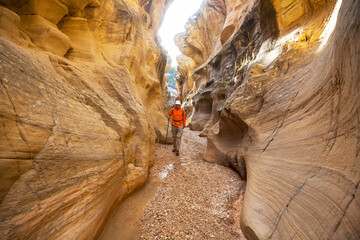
(285, 114)
(206, 33)
(52, 10)
(82, 40)
(45, 34)
(9, 27)
(81, 108)
(227, 33)
(185, 68)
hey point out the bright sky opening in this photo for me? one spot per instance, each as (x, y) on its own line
(174, 22)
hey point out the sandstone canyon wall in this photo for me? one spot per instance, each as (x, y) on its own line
(80, 109)
(278, 96)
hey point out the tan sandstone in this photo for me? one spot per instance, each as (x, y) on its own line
(278, 99)
(81, 108)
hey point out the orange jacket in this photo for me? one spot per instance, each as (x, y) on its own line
(178, 117)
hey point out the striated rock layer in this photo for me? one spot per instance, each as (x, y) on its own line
(80, 108)
(278, 98)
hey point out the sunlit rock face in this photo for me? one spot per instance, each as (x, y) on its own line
(80, 108)
(205, 35)
(279, 102)
(185, 68)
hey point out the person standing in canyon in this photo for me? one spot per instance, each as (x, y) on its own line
(178, 125)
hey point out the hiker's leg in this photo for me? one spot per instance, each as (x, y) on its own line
(173, 131)
(178, 137)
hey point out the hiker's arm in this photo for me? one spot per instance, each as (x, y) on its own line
(170, 113)
(184, 118)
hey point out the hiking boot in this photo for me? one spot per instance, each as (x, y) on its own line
(177, 153)
(174, 150)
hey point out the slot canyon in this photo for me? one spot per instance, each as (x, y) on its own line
(271, 91)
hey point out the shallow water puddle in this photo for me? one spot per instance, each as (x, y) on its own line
(185, 163)
(164, 173)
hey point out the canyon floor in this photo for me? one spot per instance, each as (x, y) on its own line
(184, 198)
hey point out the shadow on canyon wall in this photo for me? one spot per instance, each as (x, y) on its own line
(278, 99)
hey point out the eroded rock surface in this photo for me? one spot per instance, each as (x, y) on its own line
(80, 109)
(278, 98)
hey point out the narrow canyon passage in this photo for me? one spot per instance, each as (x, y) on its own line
(272, 86)
(184, 198)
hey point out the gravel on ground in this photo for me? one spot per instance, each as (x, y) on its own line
(195, 199)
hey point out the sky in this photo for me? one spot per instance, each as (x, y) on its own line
(174, 22)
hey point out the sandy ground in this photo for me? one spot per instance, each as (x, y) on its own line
(185, 198)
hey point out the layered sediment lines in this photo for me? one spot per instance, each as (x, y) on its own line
(277, 95)
(78, 81)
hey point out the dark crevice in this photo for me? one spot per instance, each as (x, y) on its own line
(358, 135)
(277, 128)
(222, 11)
(7, 93)
(148, 6)
(67, 54)
(160, 67)
(298, 190)
(268, 21)
(344, 213)
(237, 162)
(335, 113)
(108, 120)
(23, 138)
(274, 133)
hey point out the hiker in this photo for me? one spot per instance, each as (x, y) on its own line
(178, 125)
